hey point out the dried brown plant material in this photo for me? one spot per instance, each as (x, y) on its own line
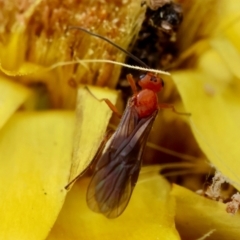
(214, 190)
(233, 206)
(34, 33)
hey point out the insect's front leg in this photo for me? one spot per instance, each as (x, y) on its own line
(111, 106)
(108, 102)
(132, 83)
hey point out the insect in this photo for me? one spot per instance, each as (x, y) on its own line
(117, 170)
(156, 41)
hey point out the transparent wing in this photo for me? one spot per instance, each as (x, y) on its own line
(117, 171)
(110, 190)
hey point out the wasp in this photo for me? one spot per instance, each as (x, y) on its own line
(117, 169)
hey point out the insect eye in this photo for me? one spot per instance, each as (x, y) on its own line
(153, 79)
(142, 76)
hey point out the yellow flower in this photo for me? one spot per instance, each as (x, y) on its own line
(43, 145)
(209, 86)
(212, 93)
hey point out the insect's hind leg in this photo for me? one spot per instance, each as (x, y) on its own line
(108, 102)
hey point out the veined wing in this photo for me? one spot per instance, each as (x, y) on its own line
(117, 172)
(125, 128)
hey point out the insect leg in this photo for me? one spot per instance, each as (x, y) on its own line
(132, 83)
(68, 186)
(165, 105)
(111, 106)
(108, 102)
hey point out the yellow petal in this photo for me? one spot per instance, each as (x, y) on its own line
(11, 97)
(91, 123)
(232, 30)
(35, 153)
(212, 64)
(197, 216)
(149, 215)
(229, 54)
(26, 68)
(228, 17)
(215, 119)
(12, 55)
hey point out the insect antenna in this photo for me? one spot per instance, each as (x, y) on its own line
(111, 42)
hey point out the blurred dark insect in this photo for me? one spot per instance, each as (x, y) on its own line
(155, 44)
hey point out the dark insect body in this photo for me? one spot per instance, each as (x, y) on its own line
(156, 41)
